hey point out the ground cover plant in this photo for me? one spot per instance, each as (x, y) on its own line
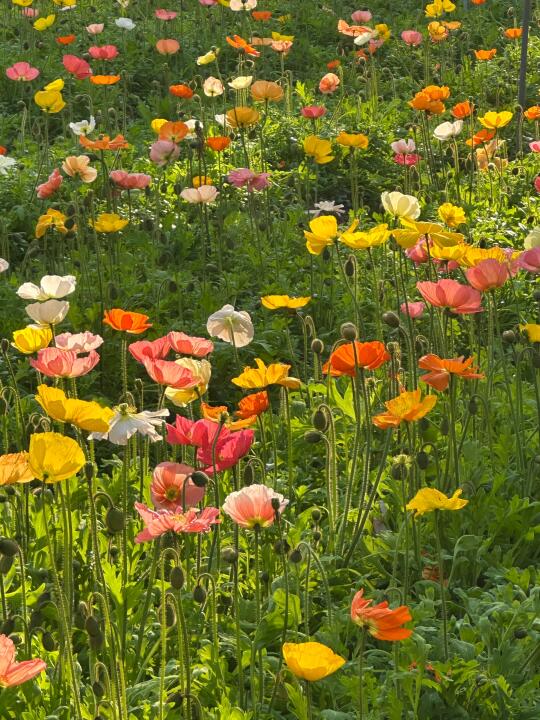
(270, 405)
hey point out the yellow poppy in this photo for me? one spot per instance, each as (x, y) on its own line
(52, 218)
(373, 237)
(108, 223)
(280, 302)
(278, 37)
(89, 416)
(413, 231)
(54, 457)
(319, 149)
(383, 31)
(44, 22)
(242, 117)
(324, 230)
(31, 339)
(439, 7)
(475, 255)
(429, 499)
(353, 140)
(264, 375)
(50, 101)
(532, 330)
(452, 215)
(494, 120)
(14, 468)
(311, 660)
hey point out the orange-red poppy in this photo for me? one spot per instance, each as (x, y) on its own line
(104, 143)
(441, 370)
(485, 54)
(532, 113)
(65, 39)
(174, 131)
(462, 110)
(408, 406)
(133, 323)
(3, 150)
(481, 137)
(181, 91)
(220, 414)
(430, 99)
(239, 43)
(347, 359)
(261, 15)
(513, 33)
(380, 621)
(104, 79)
(478, 2)
(333, 64)
(252, 405)
(218, 143)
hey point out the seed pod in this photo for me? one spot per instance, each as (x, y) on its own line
(98, 689)
(48, 642)
(391, 319)
(317, 346)
(91, 625)
(320, 421)
(199, 594)
(422, 460)
(348, 331)
(249, 474)
(229, 555)
(199, 478)
(445, 426)
(114, 520)
(281, 547)
(8, 547)
(296, 556)
(520, 633)
(313, 436)
(6, 564)
(177, 577)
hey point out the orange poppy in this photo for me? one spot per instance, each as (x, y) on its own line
(462, 110)
(485, 54)
(3, 150)
(348, 358)
(439, 377)
(408, 406)
(240, 44)
(478, 2)
(220, 414)
(133, 323)
(252, 405)
(174, 131)
(533, 113)
(261, 15)
(379, 620)
(481, 137)
(266, 90)
(104, 143)
(65, 39)
(430, 99)
(513, 33)
(104, 79)
(333, 64)
(242, 117)
(218, 143)
(181, 91)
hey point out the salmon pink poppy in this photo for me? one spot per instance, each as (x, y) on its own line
(163, 152)
(168, 46)
(186, 345)
(530, 260)
(50, 186)
(252, 507)
(380, 621)
(461, 299)
(78, 342)
(159, 522)
(78, 67)
(14, 673)
(441, 370)
(103, 52)
(412, 309)
(130, 181)
(162, 14)
(22, 72)
(143, 350)
(412, 37)
(57, 363)
(168, 372)
(487, 275)
(351, 357)
(95, 28)
(313, 112)
(361, 16)
(329, 83)
(244, 177)
(172, 487)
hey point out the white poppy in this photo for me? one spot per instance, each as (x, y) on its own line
(126, 422)
(6, 163)
(84, 127)
(212, 87)
(50, 286)
(403, 147)
(233, 326)
(533, 239)
(203, 194)
(192, 124)
(78, 342)
(4, 265)
(241, 83)
(238, 5)
(325, 207)
(124, 23)
(365, 37)
(50, 312)
(448, 130)
(399, 205)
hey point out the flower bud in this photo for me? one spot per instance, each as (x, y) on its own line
(317, 346)
(350, 266)
(422, 460)
(199, 478)
(199, 594)
(319, 420)
(48, 642)
(391, 319)
(9, 548)
(114, 520)
(316, 515)
(249, 474)
(509, 336)
(296, 556)
(229, 555)
(313, 436)
(177, 577)
(91, 625)
(348, 331)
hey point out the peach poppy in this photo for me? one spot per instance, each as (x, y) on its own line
(167, 46)
(172, 487)
(462, 110)
(485, 54)
(380, 621)
(104, 143)
(441, 370)
(461, 299)
(14, 468)
(242, 117)
(266, 90)
(103, 52)
(173, 131)
(66, 39)
(79, 166)
(329, 83)
(239, 43)
(181, 91)
(104, 79)
(57, 363)
(187, 345)
(408, 406)
(218, 143)
(487, 275)
(133, 323)
(347, 359)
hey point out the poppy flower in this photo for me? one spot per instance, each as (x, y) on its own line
(495, 120)
(242, 117)
(400, 205)
(344, 28)
(441, 370)
(130, 181)
(461, 299)
(187, 345)
(532, 331)
(311, 660)
(485, 54)
(50, 286)
(284, 302)
(481, 137)
(89, 416)
(77, 67)
(379, 620)
(50, 101)
(172, 487)
(104, 80)
(218, 143)
(265, 90)
(79, 167)
(126, 422)
(319, 149)
(429, 499)
(167, 46)
(79, 342)
(239, 43)
(351, 357)
(452, 215)
(125, 321)
(513, 33)
(462, 110)
(430, 99)
(95, 28)
(14, 468)
(50, 186)
(181, 91)
(108, 223)
(413, 38)
(13, 673)
(44, 23)
(159, 522)
(530, 260)
(50, 312)
(213, 87)
(329, 83)
(408, 406)
(103, 52)
(264, 375)
(66, 39)
(261, 15)
(166, 15)
(487, 275)
(253, 506)
(532, 113)
(104, 143)
(252, 405)
(352, 140)
(232, 326)
(413, 309)
(22, 72)
(166, 372)
(163, 152)
(53, 457)
(323, 231)
(201, 371)
(313, 112)
(143, 350)
(203, 194)
(244, 177)
(56, 363)
(31, 339)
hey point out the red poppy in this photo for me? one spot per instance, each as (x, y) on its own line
(181, 91)
(66, 39)
(218, 143)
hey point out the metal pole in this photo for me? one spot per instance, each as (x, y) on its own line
(522, 87)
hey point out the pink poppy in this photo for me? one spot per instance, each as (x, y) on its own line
(14, 673)
(130, 181)
(163, 152)
(407, 160)
(530, 260)
(251, 507)
(171, 487)
(30, 12)
(312, 112)
(281, 46)
(167, 47)
(78, 342)
(54, 362)
(223, 452)
(537, 183)
(103, 52)
(167, 372)
(251, 180)
(158, 522)
(186, 345)
(461, 299)
(78, 67)
(418, 253)
(412, 309)
(165, 14)
(535, 145)
(361, 16)
(22, 72)
(50, 186)
(95, 28)
(149, 349)
(329, 83)
(487, 275)
(208, 3)
(413, 38)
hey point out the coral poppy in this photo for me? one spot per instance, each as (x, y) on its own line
(166, 372)
(348, 359)
(13, 673)
(240, 44)
(380, 621)
(487, 275)
(329, 83)
(167, 46)
(429, 499)
(50, 186)
(449, 293)
(188, 345)
(253, 506)
(143, 350)
(181, 91)
(159, 522)
(103, 52)
(133, 323)
(104, 142)
(408, 406)
(441, 370)
(77, 67)
(57, 363)
(172, 487)
(311, 660)
(22, 72)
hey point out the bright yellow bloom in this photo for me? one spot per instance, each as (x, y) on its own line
(54, 457)
(157, 124)
(280, 302)
(373, 237)
(494, 120)
(383, 32)
(319, 149)
(65, 3)
(44, 22)
(198, 180)
(439, 7)
(30, 339)
(14, 469)
(475, 255)
(352, 140)
(262, 376)
(207, 58)
(413, 231)
(455, 252)
(22, 3)
(279, 37)
(108, 223)
(311, 660)
(50, 101)
(532, 330)
(429, 499)
(89, 416)
(52, 218)
(324, 230)
(452, 215)
(57, 85)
